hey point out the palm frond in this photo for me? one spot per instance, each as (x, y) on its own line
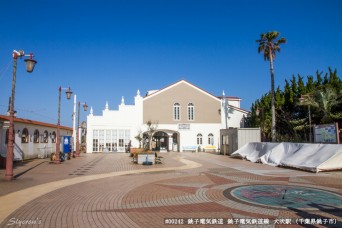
(281, 41)
(336, 116)
(297, 121)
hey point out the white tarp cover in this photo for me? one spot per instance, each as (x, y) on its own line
(311, 157)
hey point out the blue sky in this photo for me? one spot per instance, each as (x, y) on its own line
(107, 49)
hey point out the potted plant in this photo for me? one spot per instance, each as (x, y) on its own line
(147, 156)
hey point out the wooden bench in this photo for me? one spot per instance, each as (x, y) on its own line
(189, 148)
(210, 148)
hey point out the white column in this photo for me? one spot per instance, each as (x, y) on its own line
(170, 141)
(74, 125)
(224, 110)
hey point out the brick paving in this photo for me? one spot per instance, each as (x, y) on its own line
(108, 190)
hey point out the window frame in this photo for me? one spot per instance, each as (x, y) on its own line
(53, 137)
(210, 139)
(36, 136)
(176, 112)
(45, 136)
(199, 138)
(191, 111)
(25, 135)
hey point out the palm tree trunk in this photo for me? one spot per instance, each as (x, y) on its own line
(273, 128)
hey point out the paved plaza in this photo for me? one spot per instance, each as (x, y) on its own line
(186, 190)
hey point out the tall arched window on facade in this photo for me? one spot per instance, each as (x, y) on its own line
(46, 136)
(25, 136)
(36, 136)
(211, 139)
(199, 139)
(191, 111)
(53, 137)
(176, 111)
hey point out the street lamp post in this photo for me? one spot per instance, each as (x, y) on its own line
(302, 100)
(85, 106)
(68, 94)
(225, 108)
(30, 63)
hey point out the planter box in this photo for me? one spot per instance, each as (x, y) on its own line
(142, 158)
(136, 150)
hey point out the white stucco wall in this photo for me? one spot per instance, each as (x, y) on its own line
(30, 150)
(235, 118)
(126, 117)
(188, 137)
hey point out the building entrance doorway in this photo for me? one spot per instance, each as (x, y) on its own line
(165, 141)
(160, 141)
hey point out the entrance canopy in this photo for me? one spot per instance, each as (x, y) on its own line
(311, 157)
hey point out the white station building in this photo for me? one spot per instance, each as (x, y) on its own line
(187, 118)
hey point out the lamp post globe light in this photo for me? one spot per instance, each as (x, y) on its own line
(85, 106)
(58, 142)
(30, 63)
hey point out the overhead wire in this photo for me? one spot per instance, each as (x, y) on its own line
(34, 112)
(4, 70)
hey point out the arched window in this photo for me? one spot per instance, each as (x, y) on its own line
(176, 111)
(25, 136)
(45, 137)
(191, 111)
(53, 137)
(199, 139)
(211, 139)
(36, 136)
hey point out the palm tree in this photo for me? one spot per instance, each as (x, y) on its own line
(325, 101)
(269, 45)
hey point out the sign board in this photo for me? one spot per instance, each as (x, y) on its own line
(326, 133)
(183, 126)
(6, 124)
(67, 144)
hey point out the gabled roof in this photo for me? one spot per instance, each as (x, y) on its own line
(178, 83)
(33, 122)
(239, 109)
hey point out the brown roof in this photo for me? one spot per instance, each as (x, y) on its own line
(20, 120)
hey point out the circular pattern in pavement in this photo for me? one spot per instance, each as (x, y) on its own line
(286, 196)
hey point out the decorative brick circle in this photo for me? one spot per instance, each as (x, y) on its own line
(285, 196)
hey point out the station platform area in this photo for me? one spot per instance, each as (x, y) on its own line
(185, 190)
